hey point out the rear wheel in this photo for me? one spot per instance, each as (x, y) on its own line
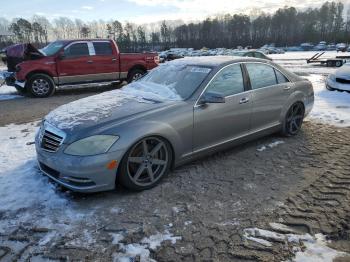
(135, 74)
(145, 164)
(40, 85)
(294, 119)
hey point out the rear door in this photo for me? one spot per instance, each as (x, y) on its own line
(76, 65)
(270, 91)
(218, 123)
(105, 61)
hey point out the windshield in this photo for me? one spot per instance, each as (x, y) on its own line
(170, 82)
(52, 48)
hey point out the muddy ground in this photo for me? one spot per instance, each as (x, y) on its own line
(303, 182)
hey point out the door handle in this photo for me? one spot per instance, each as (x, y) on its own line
(114, 59)
(287, 87)
(89, 61)
(244, 100)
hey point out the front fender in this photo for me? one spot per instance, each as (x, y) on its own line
(142, 129)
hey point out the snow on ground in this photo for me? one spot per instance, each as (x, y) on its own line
(143, 248)
(314, 249)
(8, 92)
(331, 107)
(271, 145)
(28, 198)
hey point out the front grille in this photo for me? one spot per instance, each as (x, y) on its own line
(51, 138)
(342, 80)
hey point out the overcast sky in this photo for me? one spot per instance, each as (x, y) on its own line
(142, 11)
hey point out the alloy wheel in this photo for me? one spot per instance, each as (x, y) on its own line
(136, 76)
(40, 86)
(147, 161)
(295, 118)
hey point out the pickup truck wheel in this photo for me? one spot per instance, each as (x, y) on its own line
(40, 85)
(135, 74)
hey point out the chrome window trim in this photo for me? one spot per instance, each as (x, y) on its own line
(78, 42)
(246, 91)
(274, 67)
(101, 41)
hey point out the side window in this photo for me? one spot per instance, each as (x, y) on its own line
(258, 55)
(280, 77)
(228, 82)
(103, 48)
(249, 54)
(261, 75)
(76, 50)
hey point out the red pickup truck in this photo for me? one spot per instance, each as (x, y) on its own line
(73, 62)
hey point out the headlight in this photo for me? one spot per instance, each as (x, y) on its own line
(93, 145)
(331, 77)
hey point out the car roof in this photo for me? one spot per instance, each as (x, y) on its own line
(214, 61)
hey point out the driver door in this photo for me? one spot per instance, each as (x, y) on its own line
(217, 123)
(76, 65)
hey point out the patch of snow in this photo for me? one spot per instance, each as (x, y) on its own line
(142, 249)
(8, 92)
(116, 210)
(188, 223)
(92, 108)
(262, 148)
(271, 145)
(274, 144)
(330, 107)
(116, 238)
(317, 250)
(21, 183)
(259, 240)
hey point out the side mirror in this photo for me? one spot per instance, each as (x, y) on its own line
(212, 98)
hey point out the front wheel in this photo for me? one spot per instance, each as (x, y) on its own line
(294, 119)
(40, 85)
(135, 74)
(145, 164)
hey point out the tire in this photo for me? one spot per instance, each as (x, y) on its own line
(145, 164)
(135, 74)
(293, 119)
(40, 85)
(329, 88)
(338, 64)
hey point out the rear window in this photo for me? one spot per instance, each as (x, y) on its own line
(103, 48)
(261, 75)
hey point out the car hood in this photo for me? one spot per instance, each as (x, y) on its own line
(97, 111)
(343, 72)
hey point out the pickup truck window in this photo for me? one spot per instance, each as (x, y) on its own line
(76, 50)
(103, 48)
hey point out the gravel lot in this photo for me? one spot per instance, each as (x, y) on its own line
(211, 210)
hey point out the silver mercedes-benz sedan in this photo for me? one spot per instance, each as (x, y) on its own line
(179, 111)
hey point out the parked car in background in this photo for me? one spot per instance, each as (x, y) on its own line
(340, 80)
(181, 110)
(251, 53)
(73, 62)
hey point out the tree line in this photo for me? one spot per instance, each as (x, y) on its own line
(285, 27)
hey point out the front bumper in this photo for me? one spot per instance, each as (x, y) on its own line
(10, 79)
(82, 174)
(337, 86)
